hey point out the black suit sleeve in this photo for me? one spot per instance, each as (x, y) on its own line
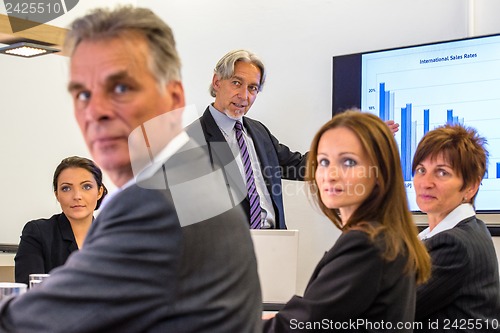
(449, 259)
(343, 286)
(292, 163)
(29, 258)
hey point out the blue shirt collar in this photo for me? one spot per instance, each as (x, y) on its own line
(225, 123)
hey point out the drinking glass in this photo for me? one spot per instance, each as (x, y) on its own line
(10, 288)
(36, 279)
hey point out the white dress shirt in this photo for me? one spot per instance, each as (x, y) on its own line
(457, 215)
(226, 126)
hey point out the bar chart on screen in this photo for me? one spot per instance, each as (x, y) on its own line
(430, 85)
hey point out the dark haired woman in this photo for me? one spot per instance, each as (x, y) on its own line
(47, 243)
(448, 167)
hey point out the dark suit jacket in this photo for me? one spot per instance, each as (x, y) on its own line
(352, 282)
(141, 271)
(45, 244)
(276, 160)
(464, 282)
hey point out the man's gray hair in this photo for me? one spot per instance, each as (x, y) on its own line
(102, 24)
(225, 67)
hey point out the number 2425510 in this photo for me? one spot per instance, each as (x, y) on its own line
(33, 8)
(471, 324)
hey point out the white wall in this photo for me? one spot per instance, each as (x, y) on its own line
(295, 38)
(37, 131)
(484, 21)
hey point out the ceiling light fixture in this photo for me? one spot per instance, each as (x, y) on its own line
(27, 50)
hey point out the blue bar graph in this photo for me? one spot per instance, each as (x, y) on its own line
(498, 169)
(452, 120)
(426, 121)
(449, 116)
(409, 128)
(406, 147)
(386, 103)
(383, 112)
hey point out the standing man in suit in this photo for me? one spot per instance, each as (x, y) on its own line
(150, 263)
(238, 78)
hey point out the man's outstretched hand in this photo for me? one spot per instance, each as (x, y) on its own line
(393, 126)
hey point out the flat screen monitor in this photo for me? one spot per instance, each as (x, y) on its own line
(425, 86)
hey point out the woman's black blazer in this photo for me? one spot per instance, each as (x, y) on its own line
(45, 244)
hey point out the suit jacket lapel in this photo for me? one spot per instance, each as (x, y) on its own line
(263, 147)
(67, 233)
(212, 131)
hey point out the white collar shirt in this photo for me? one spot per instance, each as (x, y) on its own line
(460, 213)
(226, 126)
